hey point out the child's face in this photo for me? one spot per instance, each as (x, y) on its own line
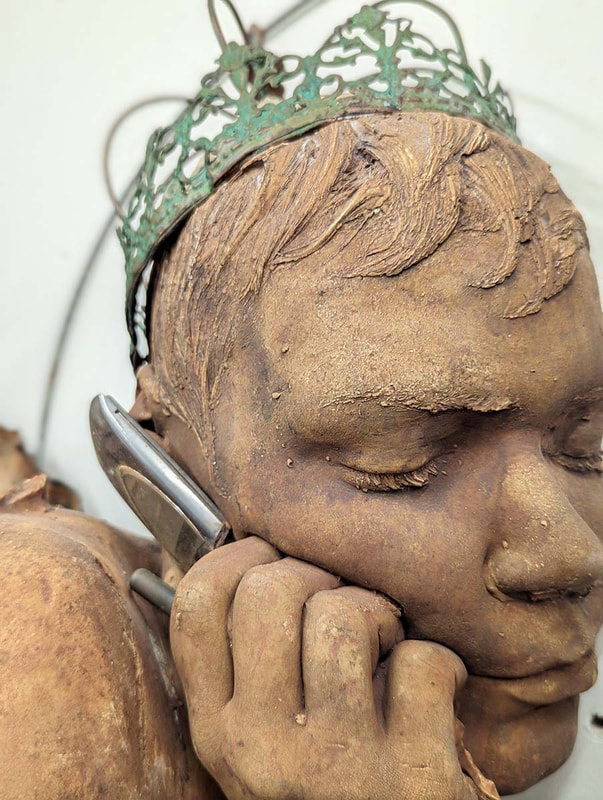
(404, 434)
(351, 387)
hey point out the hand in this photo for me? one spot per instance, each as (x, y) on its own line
(299, 687)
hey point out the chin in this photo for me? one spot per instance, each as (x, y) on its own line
(516, 753)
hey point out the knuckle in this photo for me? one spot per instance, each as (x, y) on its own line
(433, 658)
(308, 575)
(197, 589)
(286, 573)
(365, 599)
(374, 606)
(258, 548)
(353, 600)
(320, 605)
(273, 582)
(333, 616)
(262, 584)
(216, 574)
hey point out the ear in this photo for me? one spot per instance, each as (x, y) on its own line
(170, 433)
(146, 408)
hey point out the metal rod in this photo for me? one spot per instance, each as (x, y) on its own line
(283, 20)
(153, 589)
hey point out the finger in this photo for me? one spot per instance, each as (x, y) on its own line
(199, 622)
(421, 684)
(345, 631)
(266, 635)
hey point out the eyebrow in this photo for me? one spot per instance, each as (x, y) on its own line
(439, 402)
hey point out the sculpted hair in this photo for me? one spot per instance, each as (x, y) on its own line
(389, 189)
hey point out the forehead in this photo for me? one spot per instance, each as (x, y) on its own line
(425, 339)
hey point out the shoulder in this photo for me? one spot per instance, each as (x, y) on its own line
(30, 525)
(87, 692)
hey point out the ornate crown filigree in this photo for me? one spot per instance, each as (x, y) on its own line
(375, 61)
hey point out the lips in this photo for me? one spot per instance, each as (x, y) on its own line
(550, 686)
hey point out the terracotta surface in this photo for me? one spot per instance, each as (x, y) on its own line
(379, 348)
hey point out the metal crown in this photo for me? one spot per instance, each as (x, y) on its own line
(375, 61)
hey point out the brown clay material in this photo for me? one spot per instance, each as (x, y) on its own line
(17, 466)
(90, 703)
(379, 348)
(396, 334)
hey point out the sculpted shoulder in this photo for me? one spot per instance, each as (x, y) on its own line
(27, 519)
(88, 696)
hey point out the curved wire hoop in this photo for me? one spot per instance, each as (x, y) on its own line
(215, 22)
(117, 203)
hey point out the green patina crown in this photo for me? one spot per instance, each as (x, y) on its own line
(375, 61)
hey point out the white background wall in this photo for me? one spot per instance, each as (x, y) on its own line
(68, 67)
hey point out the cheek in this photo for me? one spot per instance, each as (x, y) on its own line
(425, 548)
(585, 493)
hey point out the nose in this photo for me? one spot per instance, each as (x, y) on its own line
(547, 551)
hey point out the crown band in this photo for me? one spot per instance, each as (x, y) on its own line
(255, 98)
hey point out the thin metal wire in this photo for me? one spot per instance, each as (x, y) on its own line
(215, 22)
(303, 6)
(90, 263)
(117, 204)
(287, 17)
(458, 39)
(49, 395)
(61, 344)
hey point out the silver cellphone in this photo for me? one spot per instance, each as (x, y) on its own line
(178, 513)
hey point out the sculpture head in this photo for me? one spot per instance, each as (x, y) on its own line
(379, 347)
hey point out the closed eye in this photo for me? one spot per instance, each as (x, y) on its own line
(391, 481)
